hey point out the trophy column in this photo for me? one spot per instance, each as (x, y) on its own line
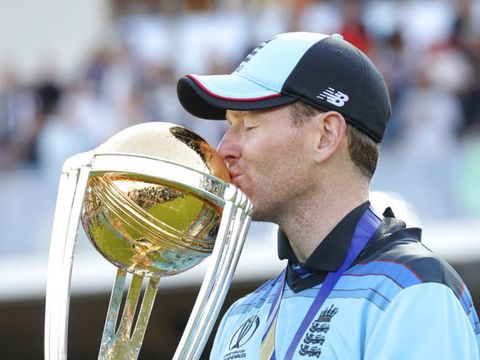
(73, 182)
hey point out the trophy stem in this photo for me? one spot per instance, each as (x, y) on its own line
(121, 344)
(145, 311)
(114, 306)
(125, 328)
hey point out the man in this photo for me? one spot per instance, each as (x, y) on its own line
(306, 114)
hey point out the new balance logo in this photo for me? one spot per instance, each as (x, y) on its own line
(336, 98)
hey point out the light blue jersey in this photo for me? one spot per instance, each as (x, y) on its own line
(398, 301)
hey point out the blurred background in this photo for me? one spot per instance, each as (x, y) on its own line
(74, 73)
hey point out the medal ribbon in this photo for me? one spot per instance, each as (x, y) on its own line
(267, 349)
(365, 229)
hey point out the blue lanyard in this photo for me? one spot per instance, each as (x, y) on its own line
(365, 229)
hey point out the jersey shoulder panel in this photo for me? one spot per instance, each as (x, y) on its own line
(257, 298)
(404, 262)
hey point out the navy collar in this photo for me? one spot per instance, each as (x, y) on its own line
(331, 252)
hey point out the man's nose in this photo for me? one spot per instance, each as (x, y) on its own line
(229, 148)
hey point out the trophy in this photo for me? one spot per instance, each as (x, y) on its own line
(154, 200)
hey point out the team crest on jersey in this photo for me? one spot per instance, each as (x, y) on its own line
(315, 336)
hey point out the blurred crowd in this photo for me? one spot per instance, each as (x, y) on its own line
(428, 51)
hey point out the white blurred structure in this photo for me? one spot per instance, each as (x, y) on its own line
(35, 34)
(402, 209)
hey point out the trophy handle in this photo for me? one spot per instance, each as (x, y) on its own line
(73, 182)
(228, 246)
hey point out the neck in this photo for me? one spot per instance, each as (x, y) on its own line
(310, 220)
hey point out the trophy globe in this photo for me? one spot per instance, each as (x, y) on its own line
(149, 226)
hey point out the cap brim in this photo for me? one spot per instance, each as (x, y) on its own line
(208, 97)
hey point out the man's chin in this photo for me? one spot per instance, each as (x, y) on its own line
(260, 216)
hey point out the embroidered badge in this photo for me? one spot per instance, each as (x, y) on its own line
(315, 336)
(241, 336)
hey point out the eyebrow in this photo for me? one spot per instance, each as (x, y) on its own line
(237, 114)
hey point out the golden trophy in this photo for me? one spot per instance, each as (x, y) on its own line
(155, 200)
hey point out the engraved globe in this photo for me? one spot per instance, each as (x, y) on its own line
(150, 226)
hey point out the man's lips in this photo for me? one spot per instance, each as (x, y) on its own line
(235, 175)
(240, 180)
(234, 172)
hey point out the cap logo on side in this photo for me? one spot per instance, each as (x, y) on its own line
(333, 97)
(251, 55)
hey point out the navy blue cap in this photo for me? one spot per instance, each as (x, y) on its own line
(324, 71)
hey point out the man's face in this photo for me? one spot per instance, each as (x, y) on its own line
(268, 159)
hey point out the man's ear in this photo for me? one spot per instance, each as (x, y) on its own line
(330, 132)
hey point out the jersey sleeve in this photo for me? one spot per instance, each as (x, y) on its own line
(424, 321)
